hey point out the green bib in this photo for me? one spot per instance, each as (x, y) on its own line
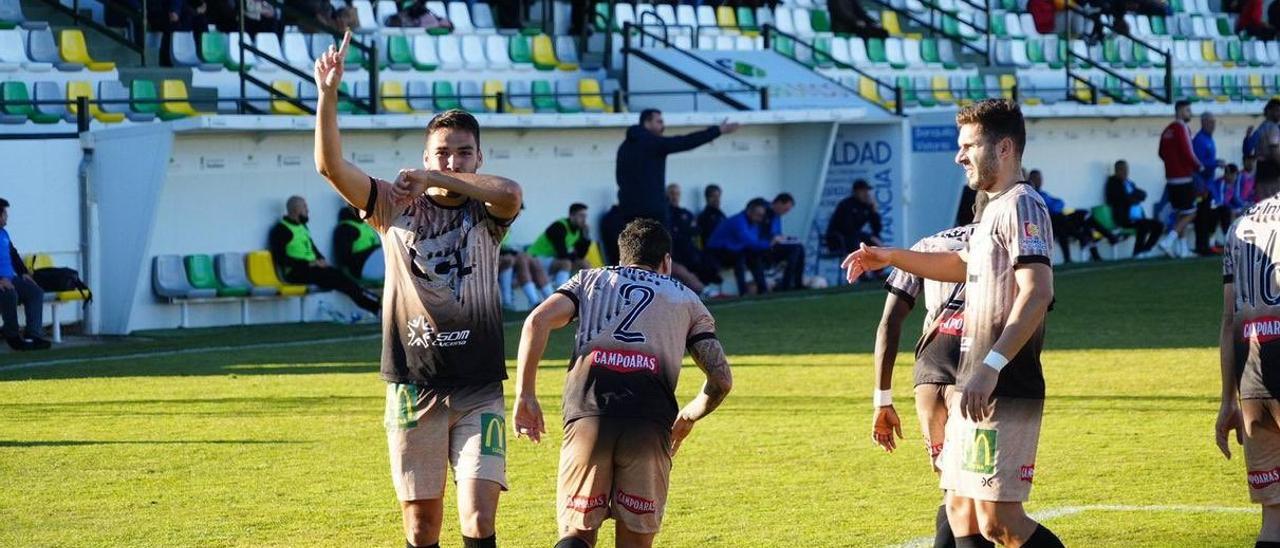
(542, 246)
(299, 246)
(368, 238)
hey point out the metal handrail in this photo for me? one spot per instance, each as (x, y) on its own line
(138, 17)
(1166, 97)
(768, 30)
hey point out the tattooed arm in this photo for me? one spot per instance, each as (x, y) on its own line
(709, 356)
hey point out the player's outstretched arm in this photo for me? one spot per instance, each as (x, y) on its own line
(1035, 294)
(1229, 413)
(944, 266)
(346, 178)
(885, 422)
(709, 355)
(554, 313)
(501, 195)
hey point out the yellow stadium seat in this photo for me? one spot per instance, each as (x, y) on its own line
(1255, 85)
(1200, 87)
(1144, 82)
(77, 89)
(727, 19)
(544, 53)
(36, 261)
(174, 94)
(1206, 49)
(491, 90)
(889, 21)
(281, 106)
(393, 97)
(942, 90)
(870, 91)
(589, 92)
(1007, 83)
(262, 272)
(74, 50)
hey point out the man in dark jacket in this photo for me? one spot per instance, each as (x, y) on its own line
(711, 215)
(17, 286)
(688, 264)
(300, 261)
(357, 247)
(642, 164)
(855, 221)
(1125, 200)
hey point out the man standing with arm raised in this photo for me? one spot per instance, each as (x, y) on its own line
(993, 426)
(442, 315)
(641, 170)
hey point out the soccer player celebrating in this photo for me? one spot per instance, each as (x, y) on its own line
(993, 424)
(621, 422)
(937, 354)
(1248, 343)
(441, 316)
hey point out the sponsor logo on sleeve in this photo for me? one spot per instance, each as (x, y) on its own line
(624, 361)
(585, 504)
(634, 504)
(1262, 330)
(1262, 479)
(1027, 473)
(1033, 240)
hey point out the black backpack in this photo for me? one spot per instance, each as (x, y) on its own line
(62, 279)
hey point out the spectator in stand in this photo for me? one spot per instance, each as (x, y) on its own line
(1207, 213)
(687, 261)
(414, 14)
(641, 169)
(300, 261)
(1229, 195)
(17, 287)
(1180, 170)
(856, 221)
(711, 216)
(1077, 224)
(357, 247)
(849, 17)
(562, 247)
(739, 242)
(1250, 21)
(1124, 198)
(785, 250)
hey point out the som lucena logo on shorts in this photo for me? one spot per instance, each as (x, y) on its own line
(421, 334)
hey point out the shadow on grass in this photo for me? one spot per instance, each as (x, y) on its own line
(1150, 305)
(77, 443)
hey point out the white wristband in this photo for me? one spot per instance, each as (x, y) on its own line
(882, 398)
(995, 361)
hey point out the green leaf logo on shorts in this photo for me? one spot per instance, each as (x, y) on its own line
(980, 452)
(401, 413)
(493, 435)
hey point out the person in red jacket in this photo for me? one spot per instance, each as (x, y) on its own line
(1180, 167)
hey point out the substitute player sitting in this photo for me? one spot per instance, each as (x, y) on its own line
(937, 356)
(1249, 343)
(621, 421)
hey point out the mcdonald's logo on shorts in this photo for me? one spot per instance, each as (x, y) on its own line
(980, 451)
(493, 435)
(401, 412)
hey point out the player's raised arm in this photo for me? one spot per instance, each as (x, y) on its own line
(885, 422)
(709, 355)
(943, 266)
(1030, 304)
(1229, 413)
(555, 312)
(346, 178)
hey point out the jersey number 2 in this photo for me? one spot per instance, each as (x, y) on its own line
(645, 296)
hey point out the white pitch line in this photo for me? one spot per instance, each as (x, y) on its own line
(1054, 513)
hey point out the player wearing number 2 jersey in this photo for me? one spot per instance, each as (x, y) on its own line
(622, 422)
(1250, 356)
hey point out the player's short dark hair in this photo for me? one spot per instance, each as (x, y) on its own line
(1232, 168)
(861, 184)
(648, 114)
(1271, 103)
(710, 188)
(757, 202)
(1118, 162)
(1177, 105)
(576, 207)
(455, 119)
(4, 204)
(998, 119)
(644, 242)
(784, 198)
(1033, 172)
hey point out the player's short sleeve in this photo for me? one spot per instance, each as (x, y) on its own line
(573, 290)
(701, 325)
(1028, 231)
(1229, 259)
(498, 228)
(379, 211)
(906, 285)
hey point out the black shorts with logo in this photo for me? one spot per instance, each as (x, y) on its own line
(1182, 196)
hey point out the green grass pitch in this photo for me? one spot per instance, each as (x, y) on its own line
(282, 444)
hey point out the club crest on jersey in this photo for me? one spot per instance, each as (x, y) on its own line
(1033, 239)
(1263, 330)
(1262, 479)
(624, 361)
(634, 504)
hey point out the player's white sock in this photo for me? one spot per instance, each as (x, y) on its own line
(531, 293)
(560, 278)
(504, 286)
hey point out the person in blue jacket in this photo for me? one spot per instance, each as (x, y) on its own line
(742, 242)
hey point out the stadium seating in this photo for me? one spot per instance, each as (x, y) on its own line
(74, 50)
(262, 273)
(229, 269)
(55, 300)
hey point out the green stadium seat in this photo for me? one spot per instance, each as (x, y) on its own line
(747, 20)
(400, 53)
(200, 273)
(14, 100)
(213, 48)
(822, 52)
(876, 51)
(784, 46)
(521, 50)
(146, 99)
(820, 20)
(544, 99)
(445, 96)
(1158, 27)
